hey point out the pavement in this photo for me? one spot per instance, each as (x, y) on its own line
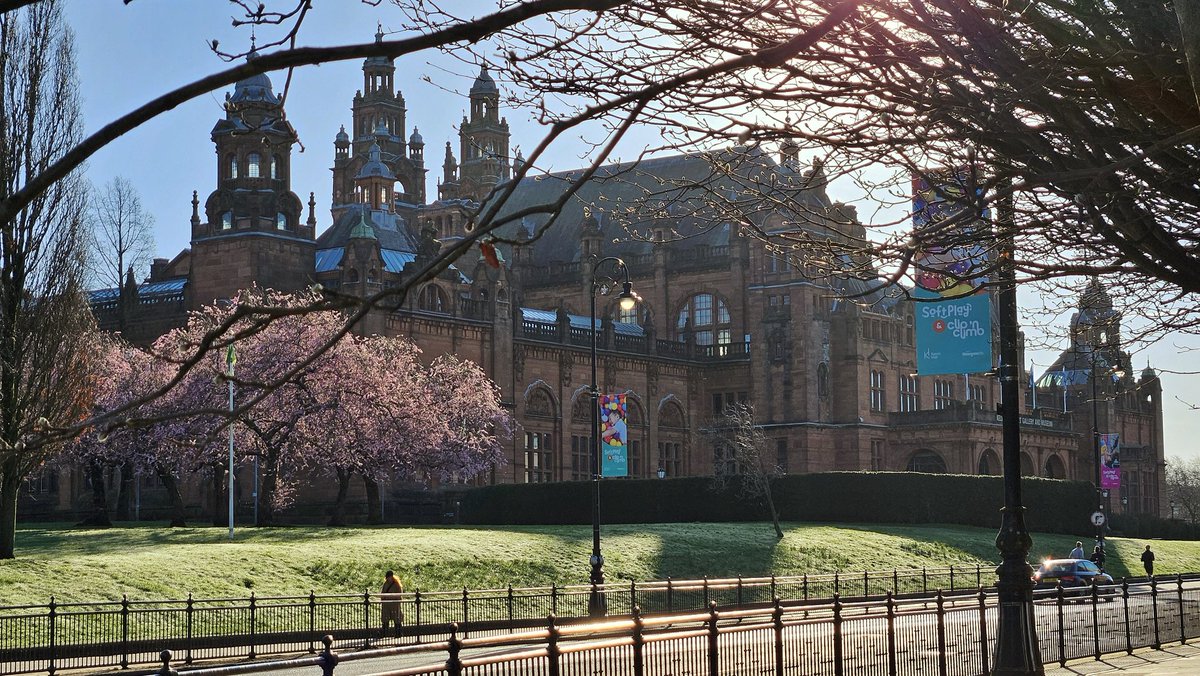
(1170, 660)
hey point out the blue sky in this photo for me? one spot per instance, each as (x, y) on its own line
(130, 53)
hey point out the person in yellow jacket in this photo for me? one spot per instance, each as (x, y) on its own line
(390, 596)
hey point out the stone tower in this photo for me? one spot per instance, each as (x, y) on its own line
(252, 230)
(378, 111)
(483, 141)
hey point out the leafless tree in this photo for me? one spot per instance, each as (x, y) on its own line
(46, 328)
(740, 455)
(120, 235)
(1183, 488)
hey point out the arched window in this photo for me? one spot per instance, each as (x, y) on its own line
(635, 422)
(539, 436)
(1026, 464)
(252, 165)
(281, 221)
(822, 380)
(707, 317)
(926, 461)
(352, 276)
(1055, 469)
(432, 299)
(630, 316)
(672, 435)
(989, 462)
(276, 166)
(581, 437)
(227, 220)
(232, 163)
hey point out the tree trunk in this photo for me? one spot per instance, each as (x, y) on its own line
(374, 510)
(125, 492)
(10, 487)
(771, 506)
(339, 506)
(220, 502)
(99, 517)
(178, 512)
(267, 488)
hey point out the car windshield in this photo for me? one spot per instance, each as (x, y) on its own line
(1057, 568)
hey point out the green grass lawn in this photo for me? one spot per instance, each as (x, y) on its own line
(157, 562)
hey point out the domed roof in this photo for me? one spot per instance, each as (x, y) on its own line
(382, 130)
(362, 230)
(415, 139)
(255, 87)
(375, 166)
(342, 136)
(484, 84)
(1149, 373)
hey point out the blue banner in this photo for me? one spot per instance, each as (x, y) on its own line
(954, 335)
(614, 436)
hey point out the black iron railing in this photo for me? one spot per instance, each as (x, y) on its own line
(940, 633)
(88, 635)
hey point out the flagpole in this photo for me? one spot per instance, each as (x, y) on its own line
(230, 359)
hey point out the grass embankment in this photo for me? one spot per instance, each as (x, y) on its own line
(154, 563)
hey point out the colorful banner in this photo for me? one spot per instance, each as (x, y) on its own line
(1110, 461)
(614, 436)
(953, 335)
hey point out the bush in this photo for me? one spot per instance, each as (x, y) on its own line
(1150, 526)
(867, 497)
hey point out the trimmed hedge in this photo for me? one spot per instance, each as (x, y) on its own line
(1052, 506)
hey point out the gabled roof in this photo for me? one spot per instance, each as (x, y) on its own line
(389, 229)
(579, 321)
(146, 290)
(676, 192)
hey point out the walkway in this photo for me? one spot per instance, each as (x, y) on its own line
(1172, 660)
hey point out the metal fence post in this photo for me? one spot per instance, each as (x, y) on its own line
(983, 637)
(707, 600)
(952, 577)
(837, 584)
(1095, 620)
(632, 595)
(1062, 642)
(806, 586)
(895, 582)
(454, 666)
(253, 622)
(713, 633)
(941, 628)
(739, 591)
(639, 667)
(53, 617)
(924, 581)
(1179, 587)
(417, 603)
(188, 642)
(774, 592)
(553, 598)
(367, 614)
(837, 634)
(1154, 605)
(312, 620)
(552, 652)
(670, 596)
(777, 625)
(124, 631)
(329, 659)
(510, 608)
(866, 584)
(1125, 602)
(891, 633)
(466, 609)
(978, 577)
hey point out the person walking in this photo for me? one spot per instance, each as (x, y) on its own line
(390, 596)
(1076, 553)
(1097, 557)
(1148, 562)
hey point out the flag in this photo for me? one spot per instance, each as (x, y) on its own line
(230, 357)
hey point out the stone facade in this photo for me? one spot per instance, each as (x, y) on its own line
(721, 318)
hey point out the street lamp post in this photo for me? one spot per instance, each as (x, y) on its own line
(1016, 635)
(597, 604)
(1101, 494)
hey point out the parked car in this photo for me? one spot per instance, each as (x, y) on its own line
(1075, 575)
